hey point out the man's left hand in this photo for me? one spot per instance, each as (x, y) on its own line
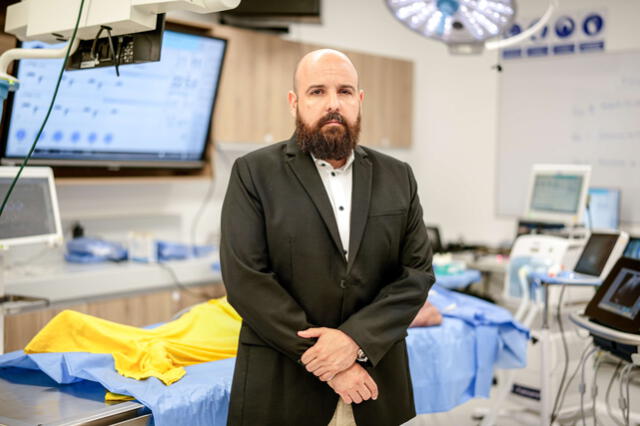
(334, 352)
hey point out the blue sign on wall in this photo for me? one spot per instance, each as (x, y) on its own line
(565, 26)
(571, 33)
(593, 24)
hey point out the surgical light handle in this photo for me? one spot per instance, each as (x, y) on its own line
(15, 54)
(500, 44)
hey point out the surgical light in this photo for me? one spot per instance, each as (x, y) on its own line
(466, 26)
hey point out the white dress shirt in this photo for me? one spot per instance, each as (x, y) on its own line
(338, 184)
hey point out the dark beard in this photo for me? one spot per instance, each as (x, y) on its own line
(333, 143)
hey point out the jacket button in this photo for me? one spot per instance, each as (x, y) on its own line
(343, 284)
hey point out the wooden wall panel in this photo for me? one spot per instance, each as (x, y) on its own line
(258, 73)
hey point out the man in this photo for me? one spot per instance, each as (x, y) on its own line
(325, 256)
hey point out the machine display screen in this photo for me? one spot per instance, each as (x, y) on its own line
(557, 193)
(29, 211)
(154, 113)
(633, 249)
(596, 253)
(623, 296)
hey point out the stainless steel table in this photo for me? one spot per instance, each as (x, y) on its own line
(31, 398)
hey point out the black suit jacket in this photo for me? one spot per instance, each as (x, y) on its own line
(284, 270)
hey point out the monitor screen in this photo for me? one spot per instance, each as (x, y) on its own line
(604, 208)
(154, 114)
(633, 248)
(29, 211)
(623, 296)
(596, 253)
(556, 193)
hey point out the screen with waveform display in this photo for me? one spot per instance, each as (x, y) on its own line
(155, 114)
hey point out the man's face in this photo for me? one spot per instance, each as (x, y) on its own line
(327, 103)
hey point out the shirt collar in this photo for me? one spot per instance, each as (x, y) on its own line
(322, 164)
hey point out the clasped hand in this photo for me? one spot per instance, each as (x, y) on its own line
(333, 352)
(354, 385)
(332, 359)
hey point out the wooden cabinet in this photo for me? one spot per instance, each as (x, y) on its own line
(258, 72)
(137, 310)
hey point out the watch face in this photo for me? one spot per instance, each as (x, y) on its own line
(361, 357)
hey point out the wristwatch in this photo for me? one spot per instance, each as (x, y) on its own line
(361, 357)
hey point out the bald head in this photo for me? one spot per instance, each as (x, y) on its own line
(322, 60)
(326, 102)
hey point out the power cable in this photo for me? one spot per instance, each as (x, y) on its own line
(622, 401)
(565, 348)
(46, 118)
(594, 388)
(573, 375)
(583, 385)
(206, 199)
(608, 394)
(180, 285)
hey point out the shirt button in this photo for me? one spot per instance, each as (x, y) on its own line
(345, 252)
(340, 208)
(333, 173)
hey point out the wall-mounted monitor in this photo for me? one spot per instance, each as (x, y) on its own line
(557, 193)
(156, 114)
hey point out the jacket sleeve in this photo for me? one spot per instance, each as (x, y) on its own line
(252, 288)
(385, 321)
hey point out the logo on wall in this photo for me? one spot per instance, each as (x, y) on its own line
(593, 24)
(577, 32)
(565, 26)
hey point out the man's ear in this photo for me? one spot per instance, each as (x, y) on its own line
(293, 103)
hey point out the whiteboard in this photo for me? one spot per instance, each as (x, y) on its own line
(582, 109)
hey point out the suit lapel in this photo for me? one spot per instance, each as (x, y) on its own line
(305, 170)
(360, 198)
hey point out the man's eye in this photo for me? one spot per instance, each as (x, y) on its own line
(346, 92)
(316, 92)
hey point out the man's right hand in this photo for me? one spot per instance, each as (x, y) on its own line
(354, 385)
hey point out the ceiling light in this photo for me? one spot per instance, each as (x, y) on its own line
(466, 26)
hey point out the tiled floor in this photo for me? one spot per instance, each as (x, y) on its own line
(462, 415)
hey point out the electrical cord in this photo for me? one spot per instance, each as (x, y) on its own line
(608, 395)
(628, 380)
(629, 396)
(574, 374)
(196, 219)
(46, 118)
(181, 286)
(207, 199)
(622, 401)
(582, 388)
(565, 348)
(594, 387)
(112, 50)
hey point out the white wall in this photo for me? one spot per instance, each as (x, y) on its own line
(455, 113)
(454, 147)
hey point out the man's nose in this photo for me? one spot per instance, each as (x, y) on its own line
(333, 103)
